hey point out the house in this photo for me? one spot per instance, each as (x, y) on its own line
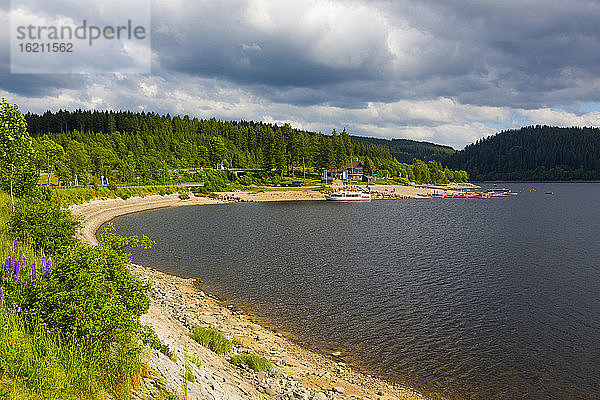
(352, 171)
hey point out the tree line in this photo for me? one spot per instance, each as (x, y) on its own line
(533, 153)
(126, 146)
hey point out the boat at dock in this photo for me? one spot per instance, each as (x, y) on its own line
(467, 194)
(344, 195)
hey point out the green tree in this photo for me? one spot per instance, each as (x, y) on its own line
(77, 161)
(216, 150)
(17, 170)
(51, 155)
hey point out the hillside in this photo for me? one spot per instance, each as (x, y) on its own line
(150, 148)
(405, 150)
(533, 153)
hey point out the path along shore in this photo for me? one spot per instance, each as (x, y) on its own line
(178, 305)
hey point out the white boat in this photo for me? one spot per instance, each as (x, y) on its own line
(348, 196)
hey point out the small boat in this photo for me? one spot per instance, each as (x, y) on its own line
(549, 192)
(343, 195)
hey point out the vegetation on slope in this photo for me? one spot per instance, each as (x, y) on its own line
(154, 149)
(69, 312)
(533, 153)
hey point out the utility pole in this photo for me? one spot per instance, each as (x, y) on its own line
(303, 168)
(48, 172)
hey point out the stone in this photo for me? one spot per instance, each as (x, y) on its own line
(261, 376)
(319, 396)
(336, 354)
(339, 389)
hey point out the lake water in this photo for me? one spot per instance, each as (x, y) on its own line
(465, 298)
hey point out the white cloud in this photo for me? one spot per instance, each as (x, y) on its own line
(548, 116)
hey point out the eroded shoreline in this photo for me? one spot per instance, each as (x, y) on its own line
(177, 305)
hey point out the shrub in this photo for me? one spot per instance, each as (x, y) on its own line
(150, 338)
(212, 339)
(45, 225)
(92, 293)
(252, 361)
(184, 196)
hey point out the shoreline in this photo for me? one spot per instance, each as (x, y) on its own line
(178, 304)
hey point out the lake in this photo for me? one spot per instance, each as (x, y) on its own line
(481, 298)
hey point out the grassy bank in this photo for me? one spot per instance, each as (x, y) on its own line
(69, 312)
(82, 195)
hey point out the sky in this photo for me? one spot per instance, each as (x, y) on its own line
(446, 71)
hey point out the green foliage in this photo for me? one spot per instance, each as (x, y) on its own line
(44, 225)
(252, 361)
(18, 175)
(150, 338)
(212, 339)
(155, 148)
(82, 195)
(92, 293)
(405, 150)
(533, 153)
(36, 363)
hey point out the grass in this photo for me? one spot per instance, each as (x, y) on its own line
(252, 361)
(38, 364)
(150, 338)
(212, 339)
(82, 195)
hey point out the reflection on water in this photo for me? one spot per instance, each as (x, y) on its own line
(494, 298)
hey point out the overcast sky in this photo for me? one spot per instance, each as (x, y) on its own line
(444, 71)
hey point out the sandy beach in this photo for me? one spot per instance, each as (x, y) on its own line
(178, 305)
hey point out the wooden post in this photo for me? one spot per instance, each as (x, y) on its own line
(12, 199)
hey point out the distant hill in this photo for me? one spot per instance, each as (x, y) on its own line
(533, 153)
(405, 150)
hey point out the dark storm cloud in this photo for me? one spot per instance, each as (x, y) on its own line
(503, 53)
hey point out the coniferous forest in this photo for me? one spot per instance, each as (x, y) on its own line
(126, 146)
(533, 153)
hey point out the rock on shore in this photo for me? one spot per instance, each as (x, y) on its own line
(196, 372)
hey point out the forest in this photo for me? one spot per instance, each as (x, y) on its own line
(533, 153)
(405, 150)
(150, 148)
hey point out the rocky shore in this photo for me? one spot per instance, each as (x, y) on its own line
(179, 305)
(195, 372)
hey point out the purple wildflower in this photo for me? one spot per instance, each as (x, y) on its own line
(48, 267)
(33, 273)
(1, 297)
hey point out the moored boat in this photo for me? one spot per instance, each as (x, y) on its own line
(348, 196)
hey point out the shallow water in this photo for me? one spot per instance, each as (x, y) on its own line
(483, 298)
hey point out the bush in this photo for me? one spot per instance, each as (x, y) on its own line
(45, 225)
(212, 339)
(150, 338)
(91, 292)
(184, 196)
(252, 361)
